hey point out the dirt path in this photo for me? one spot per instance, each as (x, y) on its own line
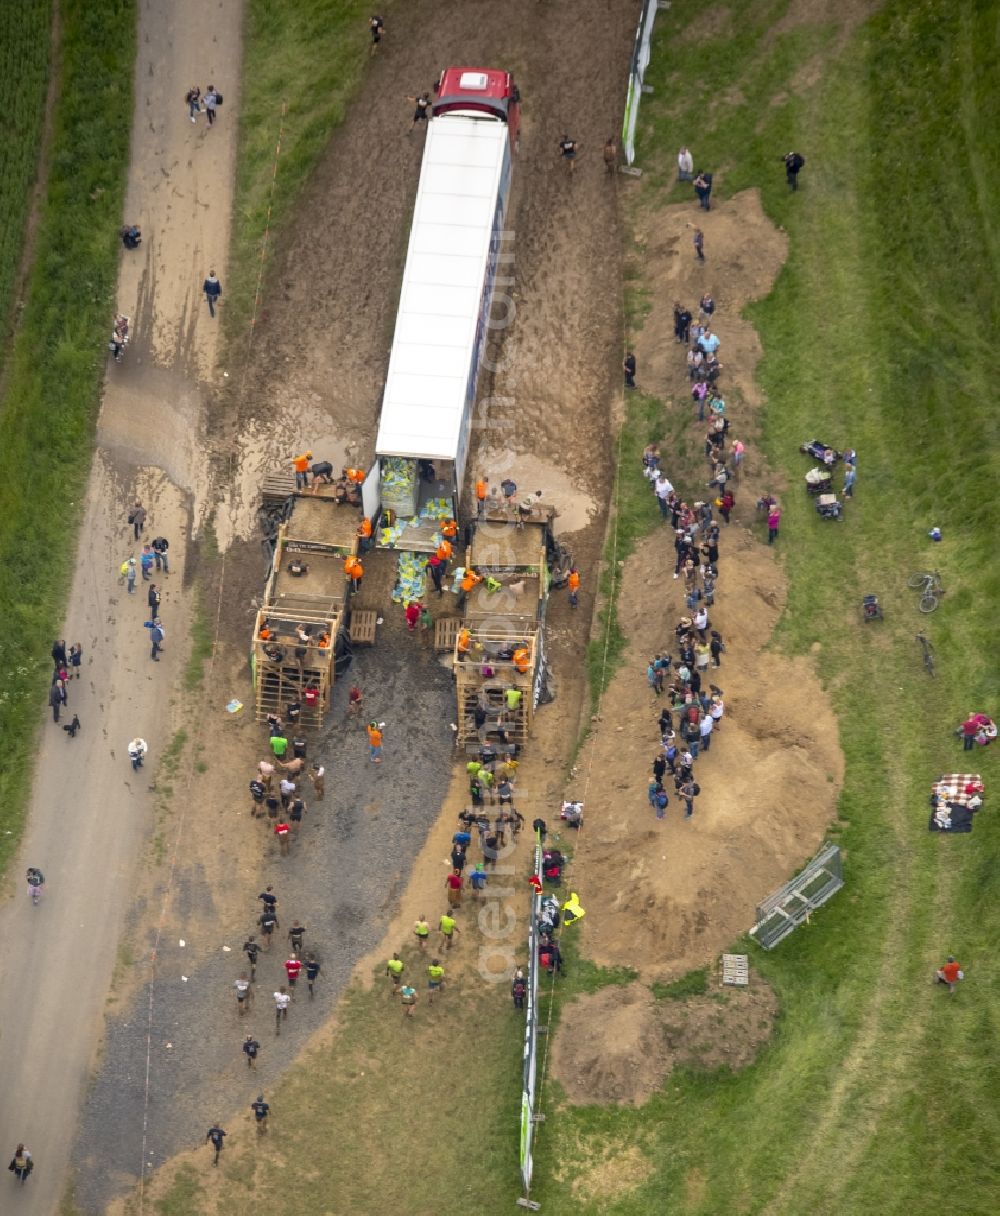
(90, 814)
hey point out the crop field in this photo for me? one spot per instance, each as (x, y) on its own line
(52, 381)
(24, 69)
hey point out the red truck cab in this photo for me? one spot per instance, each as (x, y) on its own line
(486, 93)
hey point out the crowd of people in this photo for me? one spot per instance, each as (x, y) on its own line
(692, 707)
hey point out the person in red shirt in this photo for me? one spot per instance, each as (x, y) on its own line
(970, 728)
(310, 694)
(283, 832)
(355, 699)
(453, 885)
(412, 614)
(949, 974)
(293, 969)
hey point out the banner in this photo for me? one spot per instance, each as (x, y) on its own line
(640, 61)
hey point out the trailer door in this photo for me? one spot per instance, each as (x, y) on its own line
(371, 492)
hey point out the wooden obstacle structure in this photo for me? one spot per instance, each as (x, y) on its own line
(482, 677)
(298, 630)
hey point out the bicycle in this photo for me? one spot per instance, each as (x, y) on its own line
(928, 650)
(930, 587)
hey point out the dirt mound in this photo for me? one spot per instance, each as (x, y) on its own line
(617, 1045)
(770, 781)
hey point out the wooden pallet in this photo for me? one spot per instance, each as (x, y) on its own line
(736, 970)
(445, 632)
(277, 487)
(363, 626)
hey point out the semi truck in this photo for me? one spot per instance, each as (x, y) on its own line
(444, 307)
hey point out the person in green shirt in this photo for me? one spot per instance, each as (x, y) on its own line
(513, 698)
(426, 626)
(279, 745)
(448, 929)
(394, 967)
(422, 931)
(435, 979)
(408, 996)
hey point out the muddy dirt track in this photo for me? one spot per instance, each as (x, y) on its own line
(314, 378)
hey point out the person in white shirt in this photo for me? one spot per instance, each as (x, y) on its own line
(705, 727)
(281, 1003)
(663, 489)
(685, 166)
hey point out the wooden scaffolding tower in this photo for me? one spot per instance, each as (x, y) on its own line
(484, 673)
(298, 631)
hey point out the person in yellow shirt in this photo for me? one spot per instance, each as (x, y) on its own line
(301, 466)
(394, 968)
(573, 583)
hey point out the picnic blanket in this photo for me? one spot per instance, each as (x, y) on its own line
(951, 787)
(951, 817)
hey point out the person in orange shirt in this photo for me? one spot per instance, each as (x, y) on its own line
(573, 583)
(354, 571)
(482, 489)
(949, 974)
(522, 659)
(463, 643)
(374, 743)
(365, 535)
(449, 529)
(444, 550)
(355, 475)
(301, 466)
(470, 580)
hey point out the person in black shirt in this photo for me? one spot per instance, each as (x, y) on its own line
(682, 323)
(261, 1110)
(659, 767)
(216, 1135)
(251, 948)
(269, 899)
(423, 104)
(295, 936)
(292, 711)
(629, 369)
(793, 163)
(312, 970)
(250, 1049)
(268, 921)
(568, 149)
(376, 27)
(257, 792)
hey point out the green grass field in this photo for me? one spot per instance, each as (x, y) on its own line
(54, 371)
(877, 1091)
(24, 70)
